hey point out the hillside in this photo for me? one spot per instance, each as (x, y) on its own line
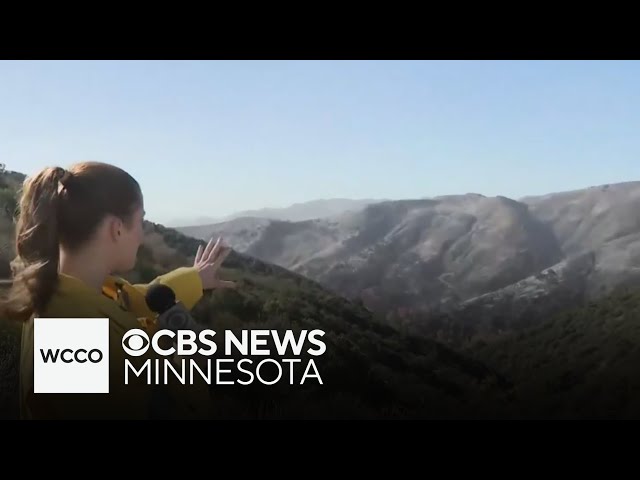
(10, 182)
(598, 231)
(409, 255)
(581, 363)
(369, 370)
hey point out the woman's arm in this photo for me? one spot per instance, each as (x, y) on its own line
(188, 283)
(184, 281)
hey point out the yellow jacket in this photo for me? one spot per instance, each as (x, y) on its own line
(124, 304)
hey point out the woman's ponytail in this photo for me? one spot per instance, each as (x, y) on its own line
(35, 269)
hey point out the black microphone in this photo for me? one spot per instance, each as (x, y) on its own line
(172, 315)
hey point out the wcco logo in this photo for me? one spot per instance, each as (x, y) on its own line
(71, 355)
(81, 355)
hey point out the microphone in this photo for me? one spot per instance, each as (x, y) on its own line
(172, 315)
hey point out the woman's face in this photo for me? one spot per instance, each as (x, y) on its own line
(129, 241)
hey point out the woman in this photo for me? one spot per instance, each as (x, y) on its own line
(77, 229)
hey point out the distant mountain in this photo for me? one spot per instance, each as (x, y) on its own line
(603, 220)
(412, 253)
(307, 210)
(598, 231)
(465, 255)
(296, 212)
(186, 222)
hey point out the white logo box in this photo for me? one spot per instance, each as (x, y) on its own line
(77, 355)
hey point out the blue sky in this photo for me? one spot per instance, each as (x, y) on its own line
(213, 137)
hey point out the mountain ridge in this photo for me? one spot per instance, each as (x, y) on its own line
(432, 255)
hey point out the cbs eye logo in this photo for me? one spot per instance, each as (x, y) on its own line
(135, 342)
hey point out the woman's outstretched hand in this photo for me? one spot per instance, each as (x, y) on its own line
(208, 261)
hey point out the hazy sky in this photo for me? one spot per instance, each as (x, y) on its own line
(210, 138)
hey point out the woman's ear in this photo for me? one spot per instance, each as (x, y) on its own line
(115, 227)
